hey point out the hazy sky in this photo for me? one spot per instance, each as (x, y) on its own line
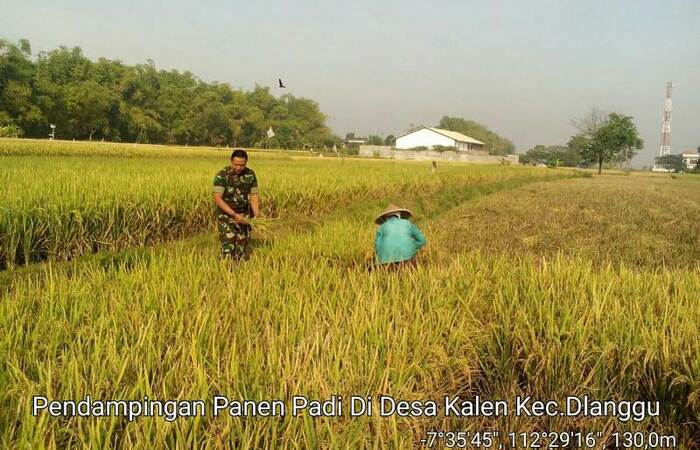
(523, 68)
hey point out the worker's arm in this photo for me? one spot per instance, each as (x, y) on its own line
(418, 236)
(219, 200)
(255, 204)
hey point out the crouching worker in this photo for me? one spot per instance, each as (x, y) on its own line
(398, 239)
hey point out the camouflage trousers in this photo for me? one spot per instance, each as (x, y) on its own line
(233, 236)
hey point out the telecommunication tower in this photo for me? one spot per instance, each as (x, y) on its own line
(666, 130)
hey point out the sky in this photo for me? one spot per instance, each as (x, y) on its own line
(524, 69)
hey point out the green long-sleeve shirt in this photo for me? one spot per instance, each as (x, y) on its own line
(397, 240)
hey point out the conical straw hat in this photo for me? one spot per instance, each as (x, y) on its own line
(389, 210)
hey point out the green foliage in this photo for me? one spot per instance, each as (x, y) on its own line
(352, 150)
(11, 131)
(375, 140)
(554, 163)
(444, 148)
(18, 99)
(613, 139)
(557, 155)
(504, 162)
(583, 174)
(495, 144)
(676, 163)
(390, 140)
(109, 100)
(695, 169)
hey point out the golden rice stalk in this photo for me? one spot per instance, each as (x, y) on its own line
(262, 225)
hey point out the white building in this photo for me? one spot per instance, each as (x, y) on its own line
(691, 159)
(431, 137)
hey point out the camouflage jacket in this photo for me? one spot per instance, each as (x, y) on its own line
(236, 188)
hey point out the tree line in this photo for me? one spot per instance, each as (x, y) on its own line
(601, 139)
(109, 100)
(106, 99)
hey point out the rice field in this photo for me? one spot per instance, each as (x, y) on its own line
(82, 201)
(534, 282)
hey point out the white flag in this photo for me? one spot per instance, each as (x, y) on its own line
(270, 133)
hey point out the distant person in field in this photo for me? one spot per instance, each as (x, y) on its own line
(398, 239)
(236, 199)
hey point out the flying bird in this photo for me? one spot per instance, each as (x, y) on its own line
(281, 85)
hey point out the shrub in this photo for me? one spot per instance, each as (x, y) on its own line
(11, 131)
(444, 148)
(582, 173)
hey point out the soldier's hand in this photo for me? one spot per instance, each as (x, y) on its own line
(240, 218)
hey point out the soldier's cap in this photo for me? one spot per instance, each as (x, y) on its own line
(391, 209)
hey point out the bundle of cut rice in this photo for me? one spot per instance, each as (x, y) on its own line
(261, 225)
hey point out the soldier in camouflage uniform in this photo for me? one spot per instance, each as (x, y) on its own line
(236, 199)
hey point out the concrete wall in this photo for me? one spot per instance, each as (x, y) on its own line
(382, 151)
(424, 138)
(386, 152)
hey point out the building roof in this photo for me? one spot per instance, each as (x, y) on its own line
(459, 137)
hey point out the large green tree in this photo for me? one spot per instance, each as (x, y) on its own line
(88, 104)
(18, 103)
(612, 139)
